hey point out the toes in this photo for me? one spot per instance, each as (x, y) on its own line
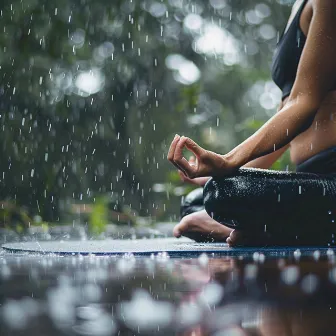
(236, 238)
(187, 228)
(176, 231)
(181, 227)
(248, 238)
(201, 228)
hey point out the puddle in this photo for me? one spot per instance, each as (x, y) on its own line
(128, 295)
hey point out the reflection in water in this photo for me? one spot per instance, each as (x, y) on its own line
(276, 297)
(160, 295)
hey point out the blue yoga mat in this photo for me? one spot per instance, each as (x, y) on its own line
(174, 247)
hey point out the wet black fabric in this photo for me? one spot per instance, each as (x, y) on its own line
(321, 163)
(287, 55)
(297, 205)
(193, 202)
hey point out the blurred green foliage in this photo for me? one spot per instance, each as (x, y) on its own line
(14, 217)
(98, 217)
(89, 104)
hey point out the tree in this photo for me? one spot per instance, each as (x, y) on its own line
(88, 105)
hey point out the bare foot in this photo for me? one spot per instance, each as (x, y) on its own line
(263, 239)
(244, 238)
(200, 227)
(238, 238)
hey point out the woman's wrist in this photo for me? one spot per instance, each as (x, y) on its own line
(233, 160)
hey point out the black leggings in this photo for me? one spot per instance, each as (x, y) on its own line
(296, 205)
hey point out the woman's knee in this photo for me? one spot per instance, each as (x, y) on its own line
(193, 202)
(224, 201)
(216, 192)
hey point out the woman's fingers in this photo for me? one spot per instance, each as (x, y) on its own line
(186, 179)
(175, 156)
(202, 164)
(172, 147)
(185, 167)
(181, 161)
(193, 146)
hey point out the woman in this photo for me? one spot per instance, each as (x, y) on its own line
(266, 207)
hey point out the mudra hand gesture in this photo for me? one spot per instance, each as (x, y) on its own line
(198, 181)
(207, 163)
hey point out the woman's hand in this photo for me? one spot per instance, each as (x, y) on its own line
(207, 163)
(199, 181)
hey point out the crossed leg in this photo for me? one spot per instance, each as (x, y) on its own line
(200, 227)
(288, 204)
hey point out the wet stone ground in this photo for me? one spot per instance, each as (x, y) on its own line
(161, 295)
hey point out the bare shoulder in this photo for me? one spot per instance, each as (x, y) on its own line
(324, 16)
(323, 5)
(324, 12)
(317, 68)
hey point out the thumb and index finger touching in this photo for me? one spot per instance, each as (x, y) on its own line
(175, 154)
(191, 145)
(172, 150)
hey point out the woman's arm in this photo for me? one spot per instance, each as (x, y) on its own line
(316, 76)
(263, 162)
(266, 161)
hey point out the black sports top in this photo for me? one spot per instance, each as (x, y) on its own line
(287, 55)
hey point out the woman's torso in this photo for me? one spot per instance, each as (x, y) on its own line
(322, 133)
